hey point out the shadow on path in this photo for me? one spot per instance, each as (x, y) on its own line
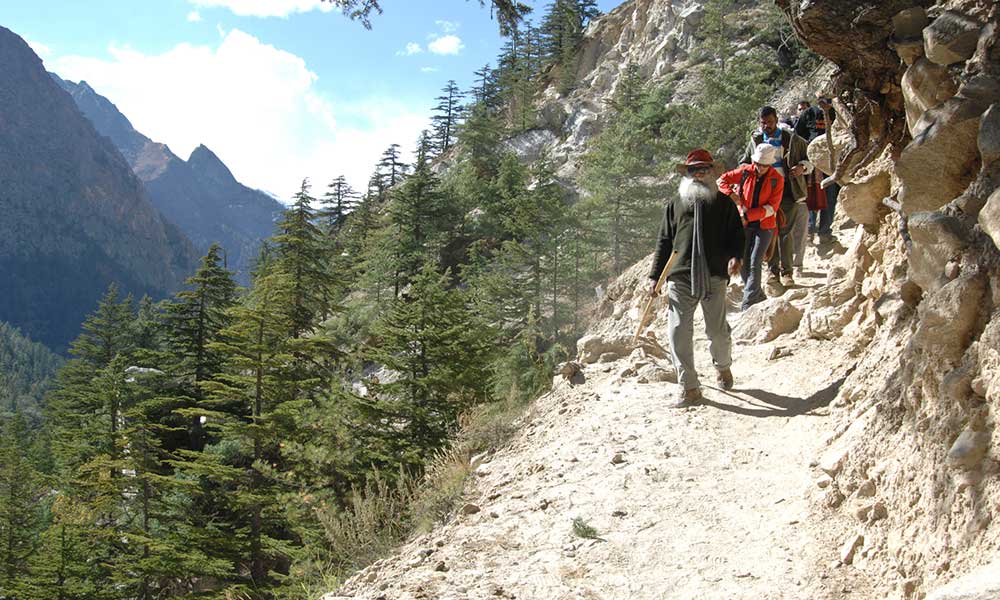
(762, 403)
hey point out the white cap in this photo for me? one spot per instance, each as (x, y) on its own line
(765, 154)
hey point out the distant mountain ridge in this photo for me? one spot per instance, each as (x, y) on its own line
(199, 195)
(74, 216)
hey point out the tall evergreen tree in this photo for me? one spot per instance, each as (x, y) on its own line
(21, 490)
(440, 350)
(339, 200)
(447, 115)
(391, 168)
(193, 321)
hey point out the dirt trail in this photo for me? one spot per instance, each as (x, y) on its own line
(703, 502)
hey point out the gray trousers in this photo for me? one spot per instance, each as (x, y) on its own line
(680, 328)
(800, 225)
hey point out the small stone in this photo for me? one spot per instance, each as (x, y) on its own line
(618, 458)
(619, 513)
(441, 567)
(426, 552)
(867, 489)
(824, 481)
(979, 386)
(470, 509)
(850, 547)
(439, 543)
(832, 461)
(968, 449)
(415, 562)
(494, 515)
(833, 498)
(952, 270)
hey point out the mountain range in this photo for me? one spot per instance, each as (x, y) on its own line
(75, 218)
(86, 201)
(199, 195)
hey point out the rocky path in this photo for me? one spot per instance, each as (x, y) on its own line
(703, 502)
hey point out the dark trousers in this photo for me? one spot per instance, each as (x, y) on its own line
(754, 248)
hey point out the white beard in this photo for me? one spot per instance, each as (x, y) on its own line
(693, 190)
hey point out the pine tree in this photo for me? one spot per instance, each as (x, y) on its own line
(390, 168)
(446, 121)
(440, 351)
(193, 321)
(339, 200)
(21, 490)
(256, 379)
(301, 253)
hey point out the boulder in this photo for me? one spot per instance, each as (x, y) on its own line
(951, 38)
(594, 348)
(767, 320)
(862, 200)
(989, 217)
(942, 159)
(981, 584)
(989, 136)
(818, 151)
(907, 33)
(910, 23)
(936, 239)
(925, 85)
(947, 318)
(657, 374)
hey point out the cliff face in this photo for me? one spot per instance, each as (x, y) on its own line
(919, 87)
(75, 218)
(199, 195)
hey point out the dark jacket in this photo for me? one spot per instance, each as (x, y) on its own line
(723, 236)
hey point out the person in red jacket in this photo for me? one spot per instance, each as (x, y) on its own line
(756, 189)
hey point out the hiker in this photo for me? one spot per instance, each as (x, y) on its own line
(821, 222)
(702, 226)
(756, 189)
(792, 164)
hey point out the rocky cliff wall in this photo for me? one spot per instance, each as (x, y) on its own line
(917, 458)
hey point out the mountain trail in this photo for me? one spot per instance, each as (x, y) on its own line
(704, 502)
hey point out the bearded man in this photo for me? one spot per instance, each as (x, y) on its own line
(704, 228)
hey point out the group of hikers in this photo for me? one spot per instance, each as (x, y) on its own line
(762, 211)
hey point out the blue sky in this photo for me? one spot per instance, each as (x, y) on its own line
(279, 89)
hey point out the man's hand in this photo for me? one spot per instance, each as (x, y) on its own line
(798, 170)
(734, 196)
(735, 265)
(768, 210)
(652, 287)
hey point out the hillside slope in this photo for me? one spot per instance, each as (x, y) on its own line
(75, 217)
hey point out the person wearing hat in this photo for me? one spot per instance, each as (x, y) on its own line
(703, 227)
(756, 189)
(793, 165)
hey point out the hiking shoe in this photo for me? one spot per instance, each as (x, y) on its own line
(787, 280)
(685, 398)
(724, 377)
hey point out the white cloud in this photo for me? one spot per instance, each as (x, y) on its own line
(411, 49)
(194, 16)
(40, 49)
(266, 8)
(428, 69)
(448, 44)
(256, 106)
(447, 26)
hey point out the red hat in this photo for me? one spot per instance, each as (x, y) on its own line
(696, 158)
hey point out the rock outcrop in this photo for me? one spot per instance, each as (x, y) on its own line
(919, 305)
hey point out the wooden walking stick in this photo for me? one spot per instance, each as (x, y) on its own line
(649, 304)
